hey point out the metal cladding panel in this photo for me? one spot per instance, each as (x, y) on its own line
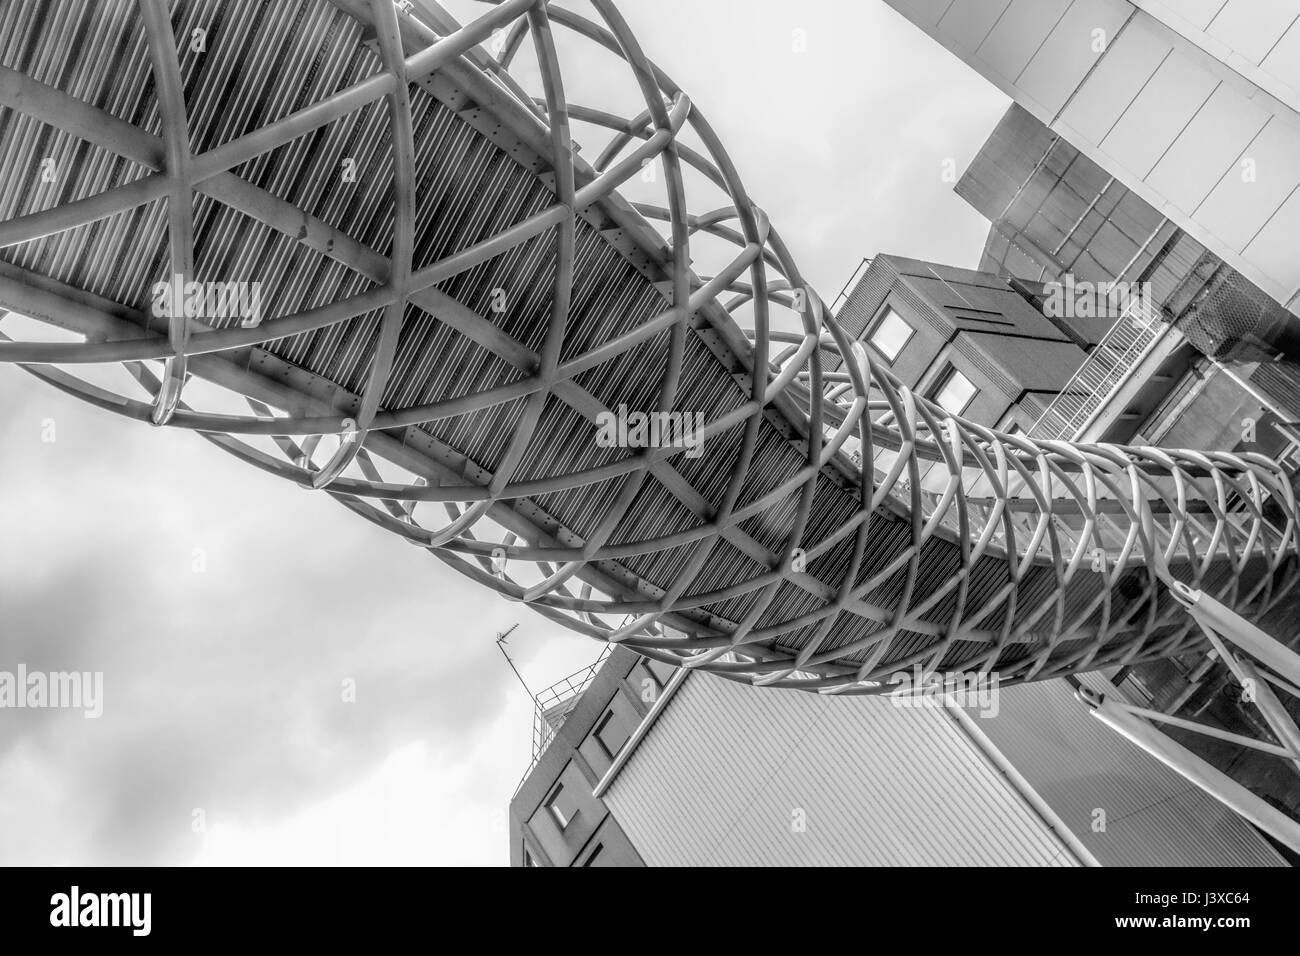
(1169, 103)
(1153, 816)
(1007, 159)
(723, 776)
(1073, 46)
(1251, 31)
(1220, 132)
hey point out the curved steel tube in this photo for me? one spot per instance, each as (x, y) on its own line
(877, 532)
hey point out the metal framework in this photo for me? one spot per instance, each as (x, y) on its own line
(1279, 667)
(835, 529)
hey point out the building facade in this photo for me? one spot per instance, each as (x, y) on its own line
(554, 818)
(1193, 105)
(969, 340)
(1213, 367)
(717, 773)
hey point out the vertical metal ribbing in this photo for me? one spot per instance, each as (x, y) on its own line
(680, 278)
(402, 141)
(565, 231)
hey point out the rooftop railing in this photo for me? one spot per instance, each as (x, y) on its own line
(548, 707)
(547, 704)
(850, 285)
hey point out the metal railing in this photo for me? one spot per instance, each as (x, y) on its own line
(850, 284)
(1105, 369)
(547, 701)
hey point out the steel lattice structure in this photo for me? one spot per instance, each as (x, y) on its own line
(458, 315)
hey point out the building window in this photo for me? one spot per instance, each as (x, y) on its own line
(591, 858)
(553, 807)
(611, 734)
(952, 391)
(529, 859)
(891, 334)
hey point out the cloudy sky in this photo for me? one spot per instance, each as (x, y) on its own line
(227, 609)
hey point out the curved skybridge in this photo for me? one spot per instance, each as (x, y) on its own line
(416, 264)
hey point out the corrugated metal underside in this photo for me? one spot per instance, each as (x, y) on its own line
(727, 777)
(1153, 816)
(265, 60)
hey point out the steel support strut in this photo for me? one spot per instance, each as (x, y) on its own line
(1230, 635)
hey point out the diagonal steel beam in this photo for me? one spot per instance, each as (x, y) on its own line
(180, 204)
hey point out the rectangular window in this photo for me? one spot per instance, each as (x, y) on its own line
(554, 808)
(611, 734)
(890, 334)
(591, 859)
(952, 391)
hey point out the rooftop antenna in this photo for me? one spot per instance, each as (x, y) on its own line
(501, 645)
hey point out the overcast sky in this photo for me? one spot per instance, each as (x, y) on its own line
(227, 608)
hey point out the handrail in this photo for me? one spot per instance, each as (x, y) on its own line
(850, 284)
(1108, 366)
